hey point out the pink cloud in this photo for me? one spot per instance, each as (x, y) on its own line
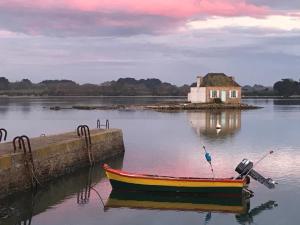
(169, 8)
(114, 17)
(7, 34)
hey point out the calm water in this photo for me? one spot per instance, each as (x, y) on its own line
(164, 143)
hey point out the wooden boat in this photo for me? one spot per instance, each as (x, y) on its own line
(138, 182)
(223, 203)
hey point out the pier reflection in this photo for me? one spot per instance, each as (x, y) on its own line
(237, 205)
(20, 208)
(83, 196)
(205, 123)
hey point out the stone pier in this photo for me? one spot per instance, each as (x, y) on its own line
(54, 156)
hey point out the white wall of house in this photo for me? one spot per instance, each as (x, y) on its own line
(197, 95)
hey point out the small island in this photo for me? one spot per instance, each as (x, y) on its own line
(213, 91)
(174, 106)
(166, 106)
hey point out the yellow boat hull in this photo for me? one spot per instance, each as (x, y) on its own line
(127, 181)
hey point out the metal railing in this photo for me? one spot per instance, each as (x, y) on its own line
(106, 125)
(84, 131)
(23, 143)
(3, 133)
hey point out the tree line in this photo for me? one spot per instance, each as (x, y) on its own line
(287, 87)
(120, 87)
(130, 87)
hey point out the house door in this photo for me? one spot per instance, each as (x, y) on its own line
(223, 96)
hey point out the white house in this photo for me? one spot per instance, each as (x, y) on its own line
(215, 86)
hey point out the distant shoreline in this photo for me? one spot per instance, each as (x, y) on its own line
(136, 96)
(105, 96)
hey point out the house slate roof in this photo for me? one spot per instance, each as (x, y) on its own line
(218, 80)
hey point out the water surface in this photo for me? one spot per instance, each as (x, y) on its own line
(164, 143)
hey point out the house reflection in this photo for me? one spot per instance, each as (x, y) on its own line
(206, 123)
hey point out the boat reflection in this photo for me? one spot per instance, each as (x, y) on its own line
(248, 217)
(227, 203)
(206, 123)
(209, 204)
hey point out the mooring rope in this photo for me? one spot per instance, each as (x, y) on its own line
(90, 154)
(103, 204)
(30, 167)
(35, 177)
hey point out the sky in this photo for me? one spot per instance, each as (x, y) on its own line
(92, 41)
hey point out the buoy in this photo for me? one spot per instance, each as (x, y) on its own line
(218, 127)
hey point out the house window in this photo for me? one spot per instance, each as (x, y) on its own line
(233, 94)
(214, 94)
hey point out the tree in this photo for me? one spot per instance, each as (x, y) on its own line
(286, 87)
(25, 84)
(4, 83)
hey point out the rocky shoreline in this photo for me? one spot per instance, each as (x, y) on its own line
(200, 106)
(166, 106)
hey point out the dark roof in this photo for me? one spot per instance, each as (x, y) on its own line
(218, 80)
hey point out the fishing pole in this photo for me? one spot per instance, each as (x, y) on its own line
(258, 161)
(268, 153)
(208, 159)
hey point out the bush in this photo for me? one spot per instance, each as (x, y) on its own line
(217, 100)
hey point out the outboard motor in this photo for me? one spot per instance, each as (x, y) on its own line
(246, 168)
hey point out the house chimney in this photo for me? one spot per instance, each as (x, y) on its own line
(199, 81)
